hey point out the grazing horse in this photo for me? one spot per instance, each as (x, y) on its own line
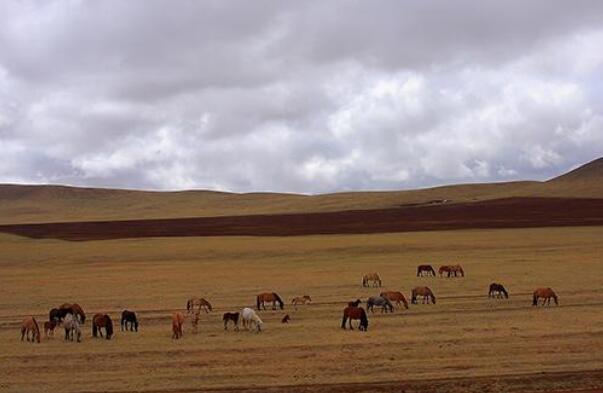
(128, 319)
(249, 316)
(395, 296)
(231, 316)
(177, 323)
(451, 270)
(49, 327)
(425, 293)
(75, 309)
(199, 303)
(30, 325)
(355, 313)
(355, 303)
(268, 297)
(425, 270)
(380, 301)
(102, 321)
(546, 294)
(72, 328)
(372, 277)
(497, 290)
(301, 300)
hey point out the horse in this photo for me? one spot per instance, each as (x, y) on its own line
(231, 316)
(286, 319)
(380, 301)
(58, 314)
(395, 296)
(200, 303)
(269, 297)
(30, 325)
(425, 293)
(301, 300)
(49, 327)
(74, 309)
(102, 321)
(497, 290)
(425, 270)
(249, 316)
(451, 270)
(72, 328)
(177, 323)
(373, 277)
(546, 294)
(355, 313)
(128, 319)
(355, 303)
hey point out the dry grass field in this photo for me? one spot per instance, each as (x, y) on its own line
(466, 342)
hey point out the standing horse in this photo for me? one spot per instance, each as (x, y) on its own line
(248, 317)
(546, 294)
(231, 316)
(199, 303)
(497, 291)
(30, 325)
(177, 323)
(395, 296)
(102, 321)
(74, 309)
(268, 297)
(357, 313)
(49, 327)
(425, 270)
(379, 301)
(129, 318)
(425, 293)
(72, 328)
(372, 277)
(301, 300)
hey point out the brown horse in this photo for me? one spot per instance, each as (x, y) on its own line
(49, 327)
(199, 303)
(545, 294)
(497, 291)
(395, 296)
(301, 300)
(357, 313)
(451, 270)
(231, 316)
(372, 277)
(425, 270)
(30, 325)
(102, 321)
(177, 323)
(268, 297)
(423, 292)
(75, 309)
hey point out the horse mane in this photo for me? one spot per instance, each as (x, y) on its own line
(279, 300)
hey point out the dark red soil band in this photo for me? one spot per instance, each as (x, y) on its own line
(499, 213)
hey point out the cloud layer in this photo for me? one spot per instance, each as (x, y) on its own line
(309, 96)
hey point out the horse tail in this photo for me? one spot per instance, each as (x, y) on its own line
(363, 281)
(109, 327)
(535, 298)
(258, 301)
(433, 298)
(94, 328)
(554, 297)
(405, 302)
(343, 320)
(209, 306)
(279, 300)
(462, 271)
(37, 328)
(413, 297)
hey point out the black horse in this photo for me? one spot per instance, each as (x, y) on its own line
(129, 321)
(425, 270)
(497, 290)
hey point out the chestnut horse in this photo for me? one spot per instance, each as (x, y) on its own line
(425, 270)
(177, 323)
(372, 277)
(75, 309)
(425, 293)
(301, 300)
(357, 313)
(395, 296)
(30, 325)
(497, 290)
(268, 297)
(451, 270)
(199, 303)
(102, 321)
(129, 318)
(49, 327)
(231, 316)
(546, 294)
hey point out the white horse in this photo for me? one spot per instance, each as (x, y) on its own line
(72, 328)
(249, 316)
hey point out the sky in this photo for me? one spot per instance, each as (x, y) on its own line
(298, 96)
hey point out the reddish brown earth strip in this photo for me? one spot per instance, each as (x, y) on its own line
(500, 213)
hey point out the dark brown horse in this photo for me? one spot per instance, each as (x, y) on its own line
(357, 313)
(425, 270)
(49, 327)
(30, 325)
(451, 270)
(423, 292)
(177, 323)
(102, 321)
(268, 297)
(546, 294)
(129, 321)
(395, 296)
(75, 309)
(497, 291)
(231, 316)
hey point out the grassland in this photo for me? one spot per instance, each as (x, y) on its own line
(464, 335)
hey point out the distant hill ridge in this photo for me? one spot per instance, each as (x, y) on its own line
(50, 203)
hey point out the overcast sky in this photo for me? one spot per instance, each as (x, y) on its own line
(298, 96)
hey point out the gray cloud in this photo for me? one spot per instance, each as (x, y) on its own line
(301, 97)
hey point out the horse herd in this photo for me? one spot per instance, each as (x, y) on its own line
(71, 315)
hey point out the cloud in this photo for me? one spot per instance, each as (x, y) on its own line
(297, 97)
